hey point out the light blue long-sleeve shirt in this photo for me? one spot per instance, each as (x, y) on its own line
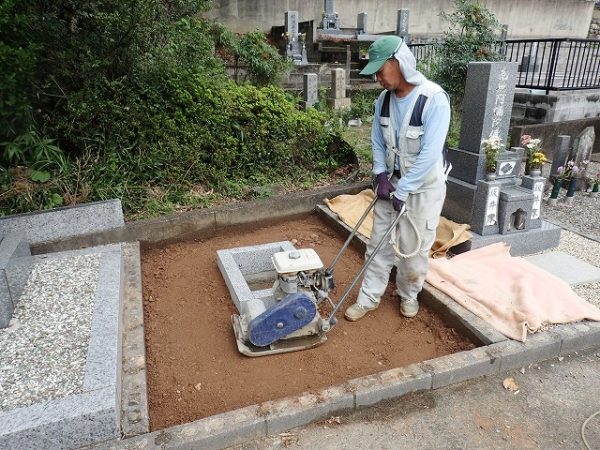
(436, 121)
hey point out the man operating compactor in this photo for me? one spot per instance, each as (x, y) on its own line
(409, 129)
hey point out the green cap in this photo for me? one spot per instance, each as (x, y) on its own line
(379, 52)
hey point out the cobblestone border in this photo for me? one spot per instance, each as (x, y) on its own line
(134, 395)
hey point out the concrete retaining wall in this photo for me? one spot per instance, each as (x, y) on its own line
(531, 109)
(556, 18)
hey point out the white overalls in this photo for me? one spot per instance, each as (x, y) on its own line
(424, 207)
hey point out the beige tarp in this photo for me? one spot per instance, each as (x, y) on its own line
(350, 208)
(510, 293)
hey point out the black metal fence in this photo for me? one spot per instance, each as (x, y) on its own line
(545, 64)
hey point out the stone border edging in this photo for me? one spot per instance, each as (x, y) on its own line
(92, 414)
(182, 225)
(134, 395)
(255, 421)
(271, 417)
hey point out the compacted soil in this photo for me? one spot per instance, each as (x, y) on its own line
(194, 367)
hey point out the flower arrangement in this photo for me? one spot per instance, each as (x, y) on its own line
(571, 170)
(491, 147)
(535, 156)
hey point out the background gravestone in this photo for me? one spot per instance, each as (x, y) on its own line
(337, 94)
(402, 25)
(361, 23)
(560, 154)
(582, 151)
(311, 90)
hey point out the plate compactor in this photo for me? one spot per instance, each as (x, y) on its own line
(291, 318)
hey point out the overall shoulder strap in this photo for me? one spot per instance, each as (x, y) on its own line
(384, 117)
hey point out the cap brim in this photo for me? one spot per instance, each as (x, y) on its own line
(372, 67)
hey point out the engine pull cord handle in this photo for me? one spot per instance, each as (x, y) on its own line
(332, 320)
(329, 270)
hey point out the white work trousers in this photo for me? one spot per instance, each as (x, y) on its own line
(424, 209)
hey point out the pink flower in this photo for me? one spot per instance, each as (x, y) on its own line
(525, 139)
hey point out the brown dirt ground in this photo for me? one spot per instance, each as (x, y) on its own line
(194, 368)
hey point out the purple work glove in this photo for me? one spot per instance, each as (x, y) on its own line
(384, 187)
(397, 203)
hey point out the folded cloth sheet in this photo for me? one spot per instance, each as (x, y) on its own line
(350, 208)
(511, 294)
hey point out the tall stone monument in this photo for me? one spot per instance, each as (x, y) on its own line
(506, 208)
(295, 46)
(402, 24)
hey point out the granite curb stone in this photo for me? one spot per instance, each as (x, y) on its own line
(134, 395)
(59, 223)
(93, 414)
(461, 366)
(290, 412)
(392, 383)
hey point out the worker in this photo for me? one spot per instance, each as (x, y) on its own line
(410, 171)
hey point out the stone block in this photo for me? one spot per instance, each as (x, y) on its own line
(361, 22)
(524, 243)
(536, 186)
(509, 162)
(515, 354)
(311, 89)
(71, 422)
(485, 219)
(560, 153)
(392, 383)
(291, 412)
(458, 205)
(338, 84)
(238, 265)
(467, 166)
(218, 431)
(578, 336)
(60, 223)
(515, 210)
(489, 92)
(461, 366)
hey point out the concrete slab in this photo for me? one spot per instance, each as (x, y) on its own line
(566, 267)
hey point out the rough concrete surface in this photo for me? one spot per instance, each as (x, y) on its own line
(546, 411)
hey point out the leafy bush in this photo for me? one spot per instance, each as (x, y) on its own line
(129, 100)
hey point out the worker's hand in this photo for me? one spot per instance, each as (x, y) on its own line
(397, 204)
(384, 187)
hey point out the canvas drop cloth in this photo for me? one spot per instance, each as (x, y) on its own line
(511, 294)
(350, 208)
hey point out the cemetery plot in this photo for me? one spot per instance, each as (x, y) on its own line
(193, 365)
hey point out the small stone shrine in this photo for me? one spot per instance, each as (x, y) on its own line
(503, 207)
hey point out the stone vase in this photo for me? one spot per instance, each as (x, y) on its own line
(535, 172)
(490, 176)
(552, 201)
(595, 190)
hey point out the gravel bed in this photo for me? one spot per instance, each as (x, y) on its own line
(583, 216)
(43, 352)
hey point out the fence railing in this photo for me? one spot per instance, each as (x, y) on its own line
(547, 64)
